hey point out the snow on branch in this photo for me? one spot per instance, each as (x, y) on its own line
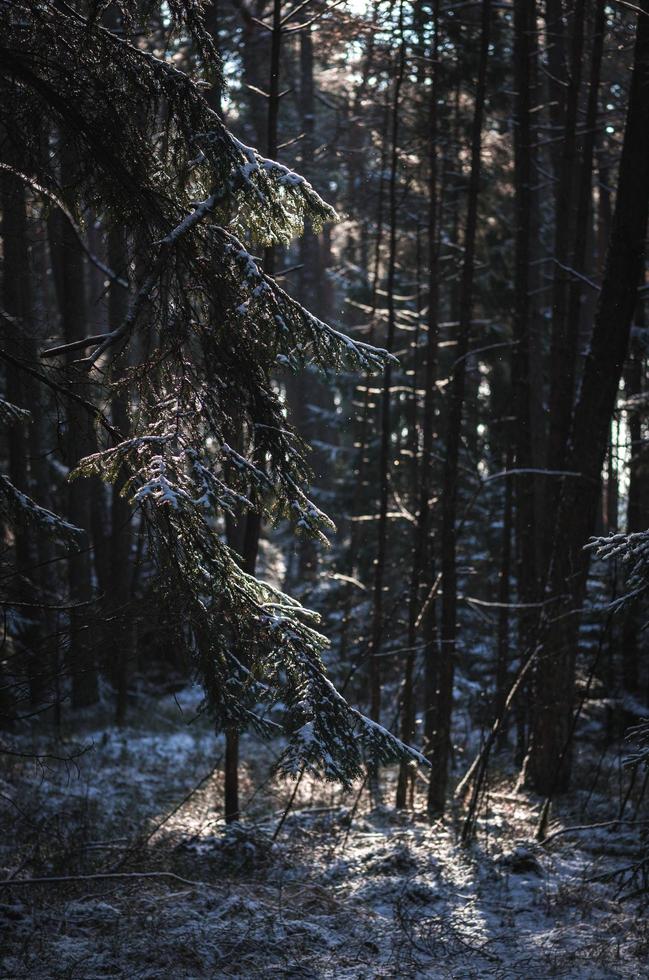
(17, 506)
(10, 413)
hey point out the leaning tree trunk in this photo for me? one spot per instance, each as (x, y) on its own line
(549, 760)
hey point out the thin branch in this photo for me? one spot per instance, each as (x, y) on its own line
(74, 345)
(95, 412)
(113, 276)
(589, 826)
(105, 876)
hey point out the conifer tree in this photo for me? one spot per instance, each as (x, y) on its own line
(205, 331)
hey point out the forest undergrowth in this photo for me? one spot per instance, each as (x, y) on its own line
(312, 881)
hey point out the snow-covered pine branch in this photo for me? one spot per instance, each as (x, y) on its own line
(208, 436)
(17, 507)
(10, 413)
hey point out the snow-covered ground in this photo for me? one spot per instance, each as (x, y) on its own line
(341, 892)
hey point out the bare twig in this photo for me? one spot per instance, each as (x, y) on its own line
(104, 876)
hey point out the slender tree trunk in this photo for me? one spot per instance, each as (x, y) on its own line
(423, 569)
(604, 212)
(68, 260)
(583, 220)
(504, 595)
(565, 331)
(612, 493)
(556, 77)
(213, 23)
(441, 746)
(525, 175)
(121, 534)
(17, 302)
(305, 389)
(254, 57)
(365, 431)
(253, 519)
(377, 625)
(638, 494)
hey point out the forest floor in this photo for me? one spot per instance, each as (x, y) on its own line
(380, 895)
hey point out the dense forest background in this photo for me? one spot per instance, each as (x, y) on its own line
(324, 487)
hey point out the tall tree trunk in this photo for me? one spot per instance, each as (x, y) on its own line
(612, 493)
(213, 23)
(254, 57)
(583, 221)
(306, 389)
(555, 48)
(423, 568)
(253, 519)
(441, 745)
(504, 594)
(565, 331)
(17, 302)
(121, 533)
(549, 760)
(526, 432)
(637, 515)
(377, 625)
(571, 225)
(68, 260)
(364, 428)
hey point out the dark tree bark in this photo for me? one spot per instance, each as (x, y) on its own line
(526, 433)
(556, 76)
(504, 596)
(254, 56)
(377, 626)
(213, 17)
(253, 519)
(637, 515)
(549, 761)
(364, 429)
(441, 744)
(583, 220)
(68, 262)
(306, 389)
(563, 352)
(17, 302)
(423, 568)
(121, 533)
